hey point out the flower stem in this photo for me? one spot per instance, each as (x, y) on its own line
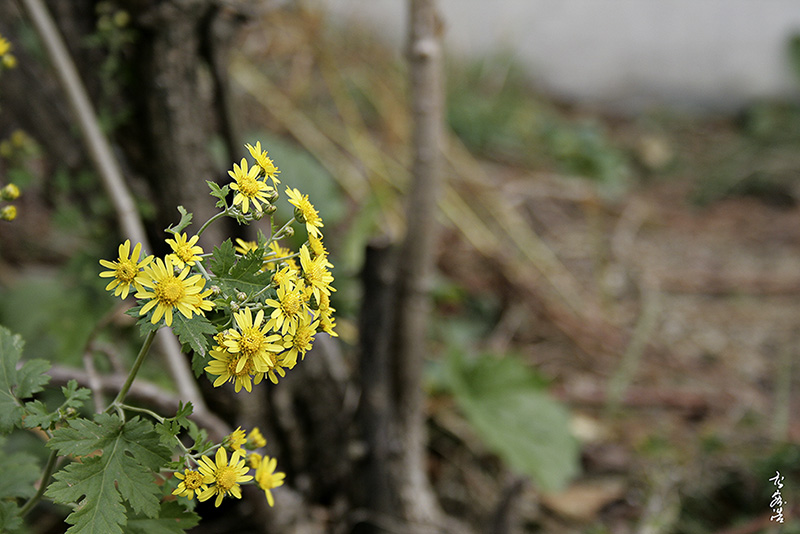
(212, 219)
(48, 471)
(134, 370)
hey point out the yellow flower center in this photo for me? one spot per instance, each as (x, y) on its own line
(169, 291)
(226, 478)
(314, 274)
(193, 480)
(249, 186)
(126, 271)
(251, 342)
(246, 369)
(290, 304)
(184, 252)
(302, 338)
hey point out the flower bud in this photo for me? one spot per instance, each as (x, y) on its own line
(8, 213)
(235, 307)
(298, 215)
(272, 196)
(241, 296)
(9, 192)
(215, 290)
(270, 209)
(288, 232)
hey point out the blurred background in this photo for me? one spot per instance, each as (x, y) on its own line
(615, 307)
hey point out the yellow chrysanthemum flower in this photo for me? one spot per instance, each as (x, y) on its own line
(253, 460)
(315, 273)
(304, 211)
(284, 275)
(126, 271)
(222, 477)
(169, 291)
(184, 250)
(300, 341)
(288, 308)
(266, 477)
(251, 340)
(267, 166)
(191, 483)
(224, 366)
(248, 187)
(9, 61)
(255, 439)
(236, 439)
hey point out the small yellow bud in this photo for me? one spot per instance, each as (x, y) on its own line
(8, 213)
(9, 192)
(9, 61)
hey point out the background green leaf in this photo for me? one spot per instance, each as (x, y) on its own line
(505, 403)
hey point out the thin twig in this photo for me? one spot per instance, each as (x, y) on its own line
(107, 167)
(144, 392)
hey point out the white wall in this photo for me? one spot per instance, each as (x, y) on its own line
(628, 53)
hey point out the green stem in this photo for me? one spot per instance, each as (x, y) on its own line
(135, 369)
(212, 219)
(151, 413)
(46, 474)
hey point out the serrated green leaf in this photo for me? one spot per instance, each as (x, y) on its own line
(172, 426)
(186, 220)
(222, 258)
(75, 396)
(504, 402)
(194, 332)
(10, 520)
(125, 469)
(19, 473)
(17, 384)
(37, 415)
(172, 519)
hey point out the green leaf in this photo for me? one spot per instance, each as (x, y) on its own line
(131, 454)
(37, 415)
(74, 396)
(172, 426)
(234, 274)
(172, 519)
(222, 258)
(16, 384)
(186, 220)
(503, 401)
(10, 520)
(193, 332)
(218, 192)
(20, 472)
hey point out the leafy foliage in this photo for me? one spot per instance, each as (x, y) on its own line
(131, 453)
(234, 274)
(17, 384)
(37, 414)
(504, 402)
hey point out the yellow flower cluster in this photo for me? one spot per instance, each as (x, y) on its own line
(280, 330)
(222, 476)
(163, 284)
